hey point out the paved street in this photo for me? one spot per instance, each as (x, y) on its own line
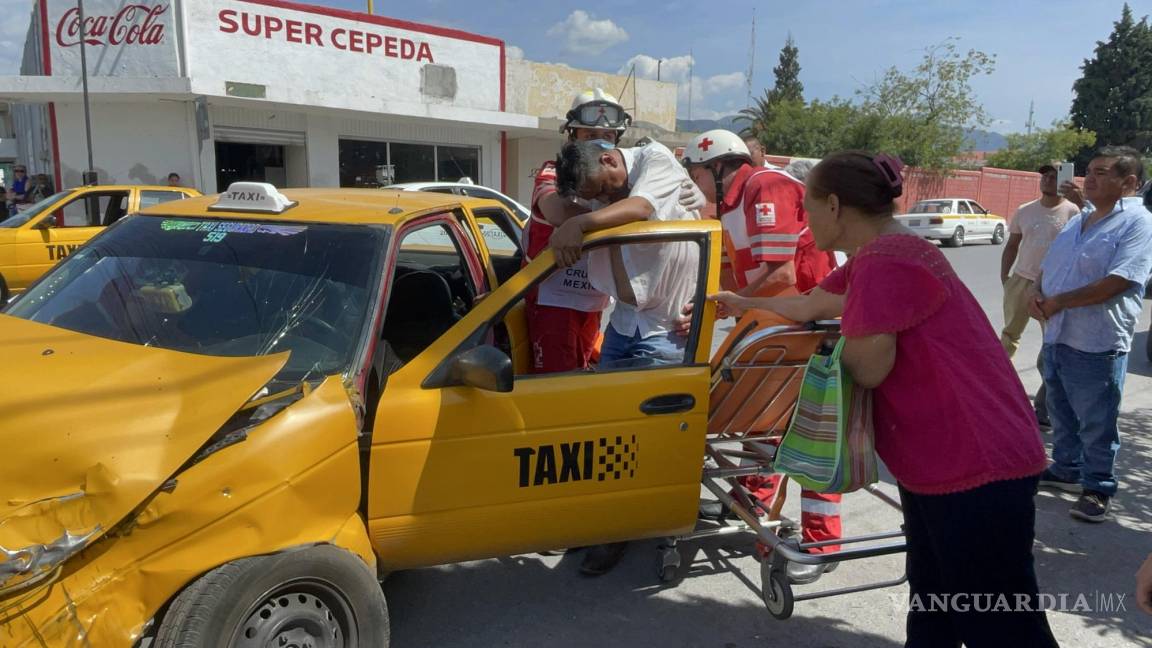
(531, 600)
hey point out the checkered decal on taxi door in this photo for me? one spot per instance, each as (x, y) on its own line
(617, 460)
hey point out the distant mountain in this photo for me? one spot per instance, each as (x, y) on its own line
(979, 140)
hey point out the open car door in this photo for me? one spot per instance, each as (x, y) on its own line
(469, 459)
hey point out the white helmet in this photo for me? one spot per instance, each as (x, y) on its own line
(715, 144)
(597, 109)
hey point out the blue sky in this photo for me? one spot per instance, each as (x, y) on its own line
(843, 43)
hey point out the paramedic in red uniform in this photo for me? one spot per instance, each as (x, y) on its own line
(768, 251)
(563, 312)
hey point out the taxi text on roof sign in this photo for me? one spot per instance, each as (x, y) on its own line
(252, 197)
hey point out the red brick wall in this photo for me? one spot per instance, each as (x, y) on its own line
(1000, 191)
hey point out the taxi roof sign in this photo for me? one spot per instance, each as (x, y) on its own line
(252, 197)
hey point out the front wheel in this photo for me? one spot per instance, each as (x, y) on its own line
(322, 596)
(957, 239)
(998, 235)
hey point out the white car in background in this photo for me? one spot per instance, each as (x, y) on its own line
(466, 188)
(954, 221)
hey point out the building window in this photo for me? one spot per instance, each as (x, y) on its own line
(375, 164)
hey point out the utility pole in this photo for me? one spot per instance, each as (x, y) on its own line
(691, 65)
(751, 61)
(371, 9)
(89, 176)
(1031, 111)
(659, 62)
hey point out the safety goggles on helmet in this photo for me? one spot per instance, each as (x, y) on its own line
(598, 114)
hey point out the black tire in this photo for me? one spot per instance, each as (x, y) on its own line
(998, 235)
(776, 591)
(957, 239)
(322, 596)
(4, 294)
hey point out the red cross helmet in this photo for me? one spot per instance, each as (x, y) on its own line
(597, 109)
(713, 145)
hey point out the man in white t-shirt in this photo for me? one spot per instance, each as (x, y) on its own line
(1032, 230)
(649, 281)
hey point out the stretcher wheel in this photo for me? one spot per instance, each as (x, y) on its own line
(668, 567)
(776, 591)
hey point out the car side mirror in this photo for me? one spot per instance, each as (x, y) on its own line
(47, 223)
(483, 367)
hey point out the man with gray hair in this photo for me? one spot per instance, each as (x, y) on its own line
(1089, 295)
(649, 281)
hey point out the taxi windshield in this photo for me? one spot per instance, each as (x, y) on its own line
(31, 211)
(219, 287)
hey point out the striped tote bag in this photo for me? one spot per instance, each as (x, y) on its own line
(829, 446)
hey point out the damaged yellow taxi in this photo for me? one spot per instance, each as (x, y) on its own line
(227, 416)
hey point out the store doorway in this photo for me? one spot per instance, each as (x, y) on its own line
(239, 162)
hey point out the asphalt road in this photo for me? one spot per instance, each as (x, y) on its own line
(531, 600)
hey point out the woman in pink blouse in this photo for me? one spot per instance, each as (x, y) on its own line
(953, 423)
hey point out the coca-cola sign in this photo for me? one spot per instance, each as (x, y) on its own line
(132, 24)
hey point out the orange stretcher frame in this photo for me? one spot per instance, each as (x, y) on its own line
(756, 377)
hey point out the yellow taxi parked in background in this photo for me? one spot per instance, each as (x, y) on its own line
(42, 234)
(235, 412)
(954, 221)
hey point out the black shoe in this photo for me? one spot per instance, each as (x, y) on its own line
(1049, 480)
(602, 558)
(1091, 507)
(714, 510)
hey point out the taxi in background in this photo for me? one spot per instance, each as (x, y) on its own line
(43, 233)
(236, 411)
(954, 221)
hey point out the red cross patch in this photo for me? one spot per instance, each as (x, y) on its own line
(766, 214)
(704, 144)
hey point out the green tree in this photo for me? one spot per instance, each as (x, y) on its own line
(1027, 152)
(1114, 95)
(788, 86)
(923, 114)
(787, 89)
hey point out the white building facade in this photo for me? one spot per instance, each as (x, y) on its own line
(225, 90)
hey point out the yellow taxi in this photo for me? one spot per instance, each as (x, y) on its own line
(44, 233)
(235, 412)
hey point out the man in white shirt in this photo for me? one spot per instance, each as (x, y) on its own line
(1032, 230)
(650, 281)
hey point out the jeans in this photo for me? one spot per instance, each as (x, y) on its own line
(1083, 404)
(950, 558)
(629, 351)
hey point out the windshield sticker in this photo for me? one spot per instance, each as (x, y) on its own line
(223, 228)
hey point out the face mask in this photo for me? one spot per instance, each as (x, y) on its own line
(604, 144)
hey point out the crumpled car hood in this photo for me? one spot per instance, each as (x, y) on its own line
(91, 427)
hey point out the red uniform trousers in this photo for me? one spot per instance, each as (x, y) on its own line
(563, 339)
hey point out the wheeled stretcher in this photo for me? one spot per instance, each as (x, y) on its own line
(756, 378)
